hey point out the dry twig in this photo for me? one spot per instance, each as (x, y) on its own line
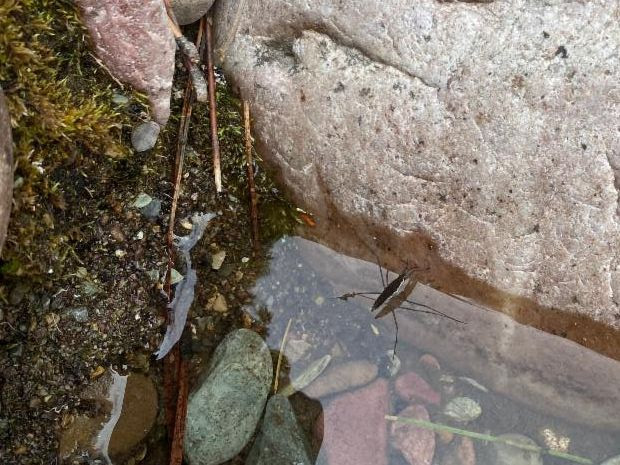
(215, 144)
(172, 362)
(191, 57)
(176, 447)
(250, 168)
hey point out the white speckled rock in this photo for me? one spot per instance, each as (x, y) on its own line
(6, 168)
(489, 130)
(134, 41)
(188, 11)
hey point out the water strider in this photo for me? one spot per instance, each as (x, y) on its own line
(392, 297)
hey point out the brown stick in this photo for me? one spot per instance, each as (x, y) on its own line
(250, 168)
(215, 144)
(173, 359)
(176, 447)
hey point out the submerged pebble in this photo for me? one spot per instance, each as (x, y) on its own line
(342, 377)
(460, 452)
(506, 454)
(281, 439)
(462, 409)
(144, 136)
(412, 387)
(416, 444)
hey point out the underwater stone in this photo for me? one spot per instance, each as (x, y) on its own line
(281, 440)
(504, 454)
(6, 168)
(412, 387)
(354, 427)
(223, 412)
(341, 377)
(463, 409)
(416, 444)
(452, 130)
(135, 43)
(612, 461)
(144, 136)
(188, 11)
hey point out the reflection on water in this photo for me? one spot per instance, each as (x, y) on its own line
(489, 376)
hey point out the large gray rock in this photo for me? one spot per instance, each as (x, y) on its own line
(223, 412)
(188, 11)
(281, 439)
(6, 168)
(135, 43)
(479, 138)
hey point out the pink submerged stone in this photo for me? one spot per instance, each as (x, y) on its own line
(410, 387)
(354, 426)
(416, 444)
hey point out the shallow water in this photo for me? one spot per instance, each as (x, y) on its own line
(563, 396)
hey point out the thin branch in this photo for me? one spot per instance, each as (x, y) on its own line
(172, 361)
(215, 144)
(191, 57)
(176, 447)
(250, 168)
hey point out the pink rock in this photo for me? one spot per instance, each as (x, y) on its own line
(416, 444)
(411, 387)
(354, 425)
(135, 43)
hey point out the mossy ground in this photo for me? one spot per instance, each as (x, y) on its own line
(75, 242)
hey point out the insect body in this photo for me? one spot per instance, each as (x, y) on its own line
(391, 299)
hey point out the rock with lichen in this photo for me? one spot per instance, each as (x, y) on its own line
(6, 168)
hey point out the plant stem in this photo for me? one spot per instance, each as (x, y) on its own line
(487, 437)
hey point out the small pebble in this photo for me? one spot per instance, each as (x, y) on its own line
(175, 276)
(430, 363)
(120, 253)
(119, 99)
(217, 259)
(144, 136)
(152, 209)
(612, 461)
(187, 224)
(79, 314)
(505, 454)
(462, 409)
(218, 303)
(142, 200)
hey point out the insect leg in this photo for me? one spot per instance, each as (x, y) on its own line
(395, 336)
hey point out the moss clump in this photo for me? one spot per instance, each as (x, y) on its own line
(60, 113)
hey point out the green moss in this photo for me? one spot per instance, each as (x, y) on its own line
(59, 101)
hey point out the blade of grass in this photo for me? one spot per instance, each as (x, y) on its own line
(488, 437)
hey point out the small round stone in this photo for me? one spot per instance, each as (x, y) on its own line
(144, 136)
